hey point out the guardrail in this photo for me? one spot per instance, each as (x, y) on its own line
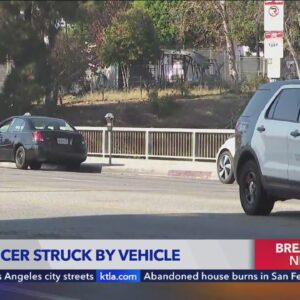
(167, 143)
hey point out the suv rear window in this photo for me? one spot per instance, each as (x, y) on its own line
(50, 124)
(287, 107)
(257, 102)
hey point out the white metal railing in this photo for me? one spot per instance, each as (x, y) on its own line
(168, 143)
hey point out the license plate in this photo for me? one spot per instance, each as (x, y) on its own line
(62, 141)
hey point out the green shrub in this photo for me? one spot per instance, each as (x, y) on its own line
(153, 94)
(250, 85)
(163, 106)
(182, 87)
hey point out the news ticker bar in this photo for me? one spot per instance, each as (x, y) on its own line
(144, 276)
(150, 255)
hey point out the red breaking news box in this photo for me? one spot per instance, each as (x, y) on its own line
(277, 254)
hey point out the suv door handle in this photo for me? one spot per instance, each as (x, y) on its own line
(295, 133)
(261, 128)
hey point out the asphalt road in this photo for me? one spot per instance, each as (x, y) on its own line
(59, 204)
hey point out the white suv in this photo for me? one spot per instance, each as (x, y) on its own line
(267, 158)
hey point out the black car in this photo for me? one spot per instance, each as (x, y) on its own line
(33, 140)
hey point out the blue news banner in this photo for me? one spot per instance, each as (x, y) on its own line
(138, 276)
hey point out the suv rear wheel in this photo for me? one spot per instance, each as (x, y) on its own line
(254, 198)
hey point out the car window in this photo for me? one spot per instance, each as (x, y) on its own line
(5, 126)
(17, 125)
(50, 124)
(271, 109)
(287, 108)
(257, 102)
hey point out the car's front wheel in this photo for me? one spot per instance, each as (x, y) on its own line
(254, 199)
(20, 158)
(225, 167)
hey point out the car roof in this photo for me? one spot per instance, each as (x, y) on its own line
(34, 117)
(277, 84)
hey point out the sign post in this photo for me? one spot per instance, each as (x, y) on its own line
(109, 117)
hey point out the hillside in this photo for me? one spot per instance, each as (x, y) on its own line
(206, 111)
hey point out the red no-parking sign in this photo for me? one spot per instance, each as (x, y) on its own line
(273, 15)
(274, 44)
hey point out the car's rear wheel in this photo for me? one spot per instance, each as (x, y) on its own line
(35, 165)
(20, 158)
(254, 199)
(225, 167)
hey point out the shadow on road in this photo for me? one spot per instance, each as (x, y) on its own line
(84, 168)
(289, 214)
(112, 165)
(156, 226)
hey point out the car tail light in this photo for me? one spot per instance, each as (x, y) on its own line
(38, 136)
(241, 126)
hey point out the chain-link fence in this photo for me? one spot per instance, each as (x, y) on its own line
(247, 66)
(207, 68)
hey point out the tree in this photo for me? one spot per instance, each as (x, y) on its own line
(222, 9)
(94, 18)
(215, 24)
(184, 24)
(246, 19)
(164, 19)
(131, 39)
(292, 31)
(98, 15)
(69, 56)
(28, 30)
(198, 25)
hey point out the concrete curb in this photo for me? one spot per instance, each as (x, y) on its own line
(203, 175)
(92, 167)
